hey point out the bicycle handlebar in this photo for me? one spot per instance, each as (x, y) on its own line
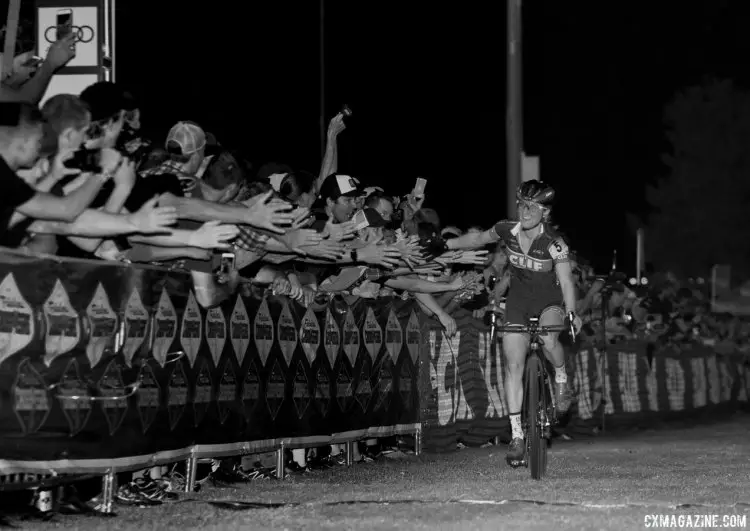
(527, 329)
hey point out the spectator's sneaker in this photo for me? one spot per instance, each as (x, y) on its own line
(338, 460)
(563, 396)
(292, 467)
(156, 490)
(323, 463)
(261, 474)
(131, 494)
(516, 451)
(225, 476)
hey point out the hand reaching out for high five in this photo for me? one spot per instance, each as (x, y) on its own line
(339, 231)
(273, 216)
(151, 218)
(213, 235)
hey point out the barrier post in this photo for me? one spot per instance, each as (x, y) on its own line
(191, 466)
(108, 492)
(418, 441)
(280, 462)
(350, 453)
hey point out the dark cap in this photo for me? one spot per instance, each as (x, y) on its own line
(336, 185)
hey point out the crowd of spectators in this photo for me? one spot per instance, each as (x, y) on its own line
(81, 180)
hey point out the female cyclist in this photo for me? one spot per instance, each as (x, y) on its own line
(541, 280)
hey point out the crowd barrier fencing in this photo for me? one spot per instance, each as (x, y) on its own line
(627, 384)
(106, 368)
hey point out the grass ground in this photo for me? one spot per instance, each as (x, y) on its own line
(613, 482)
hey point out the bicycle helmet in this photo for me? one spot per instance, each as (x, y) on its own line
(536, 192)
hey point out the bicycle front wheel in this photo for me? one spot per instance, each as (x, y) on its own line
(535, 408)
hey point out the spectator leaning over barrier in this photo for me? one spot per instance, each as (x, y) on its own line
(67, 118)
(21, 134)
(383, 205)
(262, 213)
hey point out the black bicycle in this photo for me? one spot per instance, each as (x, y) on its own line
(538, 413)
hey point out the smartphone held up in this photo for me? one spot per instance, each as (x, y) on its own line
(419, 187)
(64, 23)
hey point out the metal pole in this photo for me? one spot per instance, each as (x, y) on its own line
(350, 453)
(11, 31)
(606, 294)
(112, 46)
(109, 485)
(280, 462)
(191, 467)
(514, 111)
(322, 74)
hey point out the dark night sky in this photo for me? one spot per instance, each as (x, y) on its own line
(426, 81)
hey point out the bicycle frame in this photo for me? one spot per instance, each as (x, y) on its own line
(538, 412)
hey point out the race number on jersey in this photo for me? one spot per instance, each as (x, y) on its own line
(558, 250)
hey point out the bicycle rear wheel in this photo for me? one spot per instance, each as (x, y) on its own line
(535, 407)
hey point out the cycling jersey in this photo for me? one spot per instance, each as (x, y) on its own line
(533, 280)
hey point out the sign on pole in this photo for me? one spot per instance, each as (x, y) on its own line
(530, 168)
(91, 27)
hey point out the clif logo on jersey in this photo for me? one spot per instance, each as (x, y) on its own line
(523, 261)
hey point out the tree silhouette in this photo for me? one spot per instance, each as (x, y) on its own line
(699, 208)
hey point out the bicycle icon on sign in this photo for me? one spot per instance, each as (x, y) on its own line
(83, 34)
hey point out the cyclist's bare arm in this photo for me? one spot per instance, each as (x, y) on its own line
(473, 240)
(567, 285)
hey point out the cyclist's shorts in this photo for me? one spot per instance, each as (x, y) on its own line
(519, 311)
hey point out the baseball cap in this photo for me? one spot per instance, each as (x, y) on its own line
(452, 232)
(188, 136)
(338, 184)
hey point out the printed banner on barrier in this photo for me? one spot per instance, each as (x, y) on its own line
(252, 370)
(627, 385)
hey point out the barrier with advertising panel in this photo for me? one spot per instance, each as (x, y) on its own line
(626, 386)
(90, 378)
(76, 335)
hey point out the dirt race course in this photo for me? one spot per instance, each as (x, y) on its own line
(612, 482)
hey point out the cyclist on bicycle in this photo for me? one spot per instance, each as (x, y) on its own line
(541, 279)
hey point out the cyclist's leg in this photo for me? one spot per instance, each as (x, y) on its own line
(552, 316)
(514, 351)
(554, 351)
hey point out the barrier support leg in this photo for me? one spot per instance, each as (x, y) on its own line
(418, 441)
(191, 467)
(109, 484)
(280, 462)
(350, 453)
